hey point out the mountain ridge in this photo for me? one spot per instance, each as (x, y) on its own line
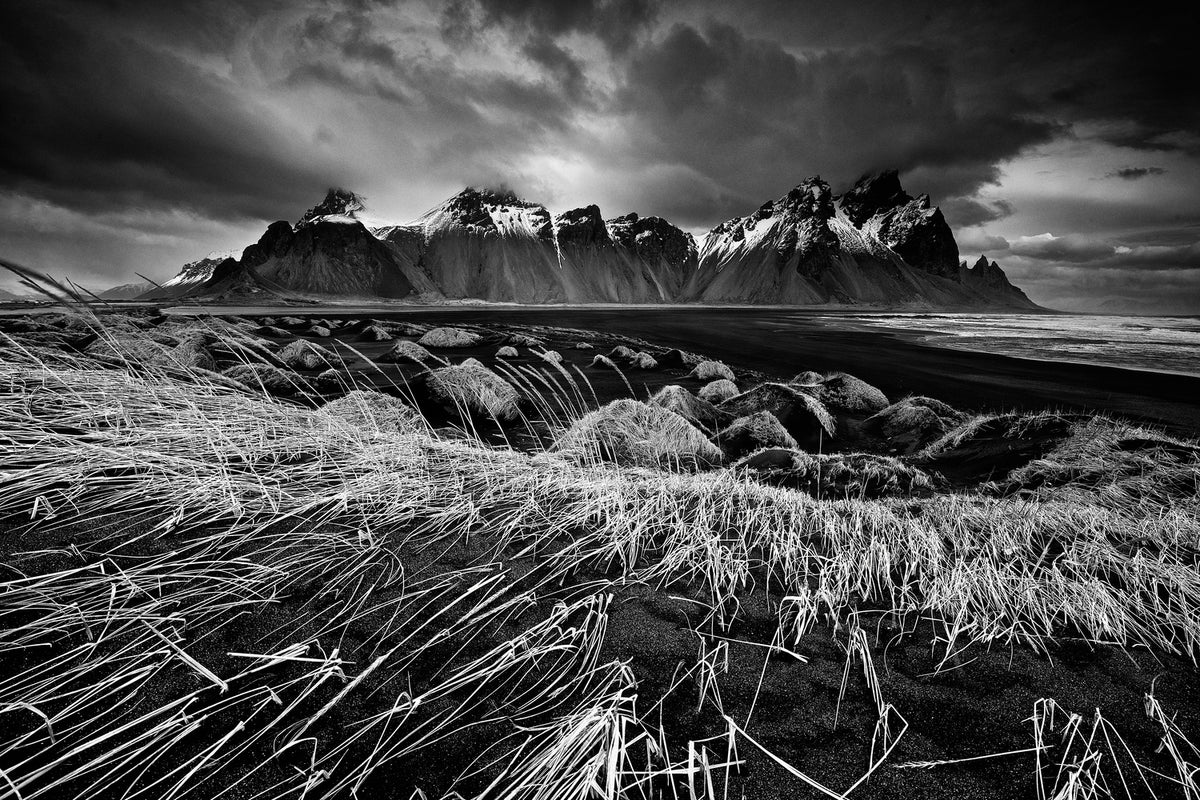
(874, 245)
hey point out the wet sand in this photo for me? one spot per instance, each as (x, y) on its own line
(783, 343)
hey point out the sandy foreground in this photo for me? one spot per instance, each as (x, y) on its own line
(214, 592)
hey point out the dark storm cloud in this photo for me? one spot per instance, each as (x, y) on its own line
(96, 119)
(559, 62)
(1071, 60)
(350, 31)
(966, 212)
(616, 23)
(93, 120)
(1102, 254)
(484, 111)
(447, 97)
(232, 112)
(1137, 67)
(1133, 173)
(750, 115)
(758, 118)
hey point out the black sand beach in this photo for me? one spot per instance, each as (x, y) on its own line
(782, 343)
(1097, 549)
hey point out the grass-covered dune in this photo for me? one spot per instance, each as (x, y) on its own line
(227, 578)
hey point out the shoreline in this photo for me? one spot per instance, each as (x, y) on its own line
(895, 360)
(782, 341)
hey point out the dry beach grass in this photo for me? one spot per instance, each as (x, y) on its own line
(211, 591)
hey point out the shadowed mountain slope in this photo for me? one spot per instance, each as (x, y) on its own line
(874, 245)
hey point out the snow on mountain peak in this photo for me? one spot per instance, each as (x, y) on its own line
(498, 211)
(338, 202)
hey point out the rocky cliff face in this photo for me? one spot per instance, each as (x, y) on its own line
(987, 278)
(581, 227)
(192, 277)
(478, 244)
(497, 247)
(653, 239)
(873, 194)
(337, 203)
(324, 254)
(876, 244)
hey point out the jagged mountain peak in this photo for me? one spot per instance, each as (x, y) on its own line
(796, 224)
(914, 228)
(875, 244)
(809, 199)
(338, 202)
(492, 195)
(652, 238)
(195, 273)
(581, 226)
(872, 194)
(484, 211)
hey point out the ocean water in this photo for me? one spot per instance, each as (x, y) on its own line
(1158, 344)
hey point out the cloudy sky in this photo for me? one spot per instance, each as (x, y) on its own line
(1060, 139)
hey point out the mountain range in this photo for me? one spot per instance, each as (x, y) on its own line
(875, 244)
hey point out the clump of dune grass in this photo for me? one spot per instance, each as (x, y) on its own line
(449, 338)
(303, 354)
(679, 358)
(913, 421)
(264, 377)
(137, 348)
(848, 393)
(375, 333)
(622, 353)
(632, 433)
(942, 409)
(637, 359)
(718, 391)
(473, 389)
(222, 595)
(687, 405)
(643, 360)
(1116, 464)
(507, 351)
(807, 378)
(840, 475)
(193, 355)
(711, 371)
(1044, 428)
(408, 352)
(803, 415)
(552, 356)
(754, 432)
(333, 378)
(902, 418)
(146, 350)
(523, 340)
(371, 410)
(604, 362)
